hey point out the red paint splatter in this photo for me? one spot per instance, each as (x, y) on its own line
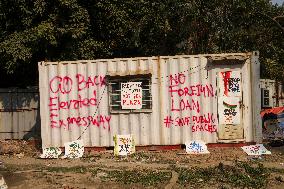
(226, 76)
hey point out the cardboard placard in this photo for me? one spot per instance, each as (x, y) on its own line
(74, 149)
(124, 145)
(50, 153)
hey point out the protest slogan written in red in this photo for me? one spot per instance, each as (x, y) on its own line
(187, 99)
(61, 102)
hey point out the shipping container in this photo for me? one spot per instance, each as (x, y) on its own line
(163, 100)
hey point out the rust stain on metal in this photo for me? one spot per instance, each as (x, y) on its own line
(136, 72)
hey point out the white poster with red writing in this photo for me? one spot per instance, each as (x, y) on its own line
(124, 145)
(229, 110)
(131, 95)
(230, 83)
(257, 149)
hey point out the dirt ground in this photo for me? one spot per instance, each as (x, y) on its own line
(222, 168)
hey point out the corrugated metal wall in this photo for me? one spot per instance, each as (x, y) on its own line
(159, 126)
(19, 113)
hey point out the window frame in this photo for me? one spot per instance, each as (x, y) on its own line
(124, 79)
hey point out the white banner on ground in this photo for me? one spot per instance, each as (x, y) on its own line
(257, 149)
(196, 147)
(50, 153)
(74, 149)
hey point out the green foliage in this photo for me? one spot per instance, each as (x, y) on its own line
(37, 30)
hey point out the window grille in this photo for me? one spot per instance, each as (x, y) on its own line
(115, 93)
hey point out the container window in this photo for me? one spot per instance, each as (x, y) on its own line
(115, 93)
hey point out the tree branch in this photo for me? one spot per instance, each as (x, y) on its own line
(274, 20)
(277, 17)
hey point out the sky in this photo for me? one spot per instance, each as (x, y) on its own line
(279, 2)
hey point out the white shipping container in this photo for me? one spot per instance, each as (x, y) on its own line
(209, 97)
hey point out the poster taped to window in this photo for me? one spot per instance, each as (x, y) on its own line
(131, 95)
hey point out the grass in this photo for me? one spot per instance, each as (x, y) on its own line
(144, 177)
(238, 175)
(146, 157)
(241, 175)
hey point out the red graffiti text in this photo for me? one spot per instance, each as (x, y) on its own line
(84, 121)
(206, 122)
(88, 82)
(64, 85)
(60, 101)
(56, 104)
(193, 90)
(183, 104)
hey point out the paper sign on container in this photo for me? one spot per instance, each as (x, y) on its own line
(131, 95)
(230, 84)
(229, 110)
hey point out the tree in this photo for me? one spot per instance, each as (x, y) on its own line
(32, 31)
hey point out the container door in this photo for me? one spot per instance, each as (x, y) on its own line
(230, 105)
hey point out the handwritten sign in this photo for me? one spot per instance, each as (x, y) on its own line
(230, 83)
(257, 149)
(69, 94)
(229, 110)
(131, 95)
(124, 145)
(51, 152)
(186, 109)
(74, 149)
(196, 147)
